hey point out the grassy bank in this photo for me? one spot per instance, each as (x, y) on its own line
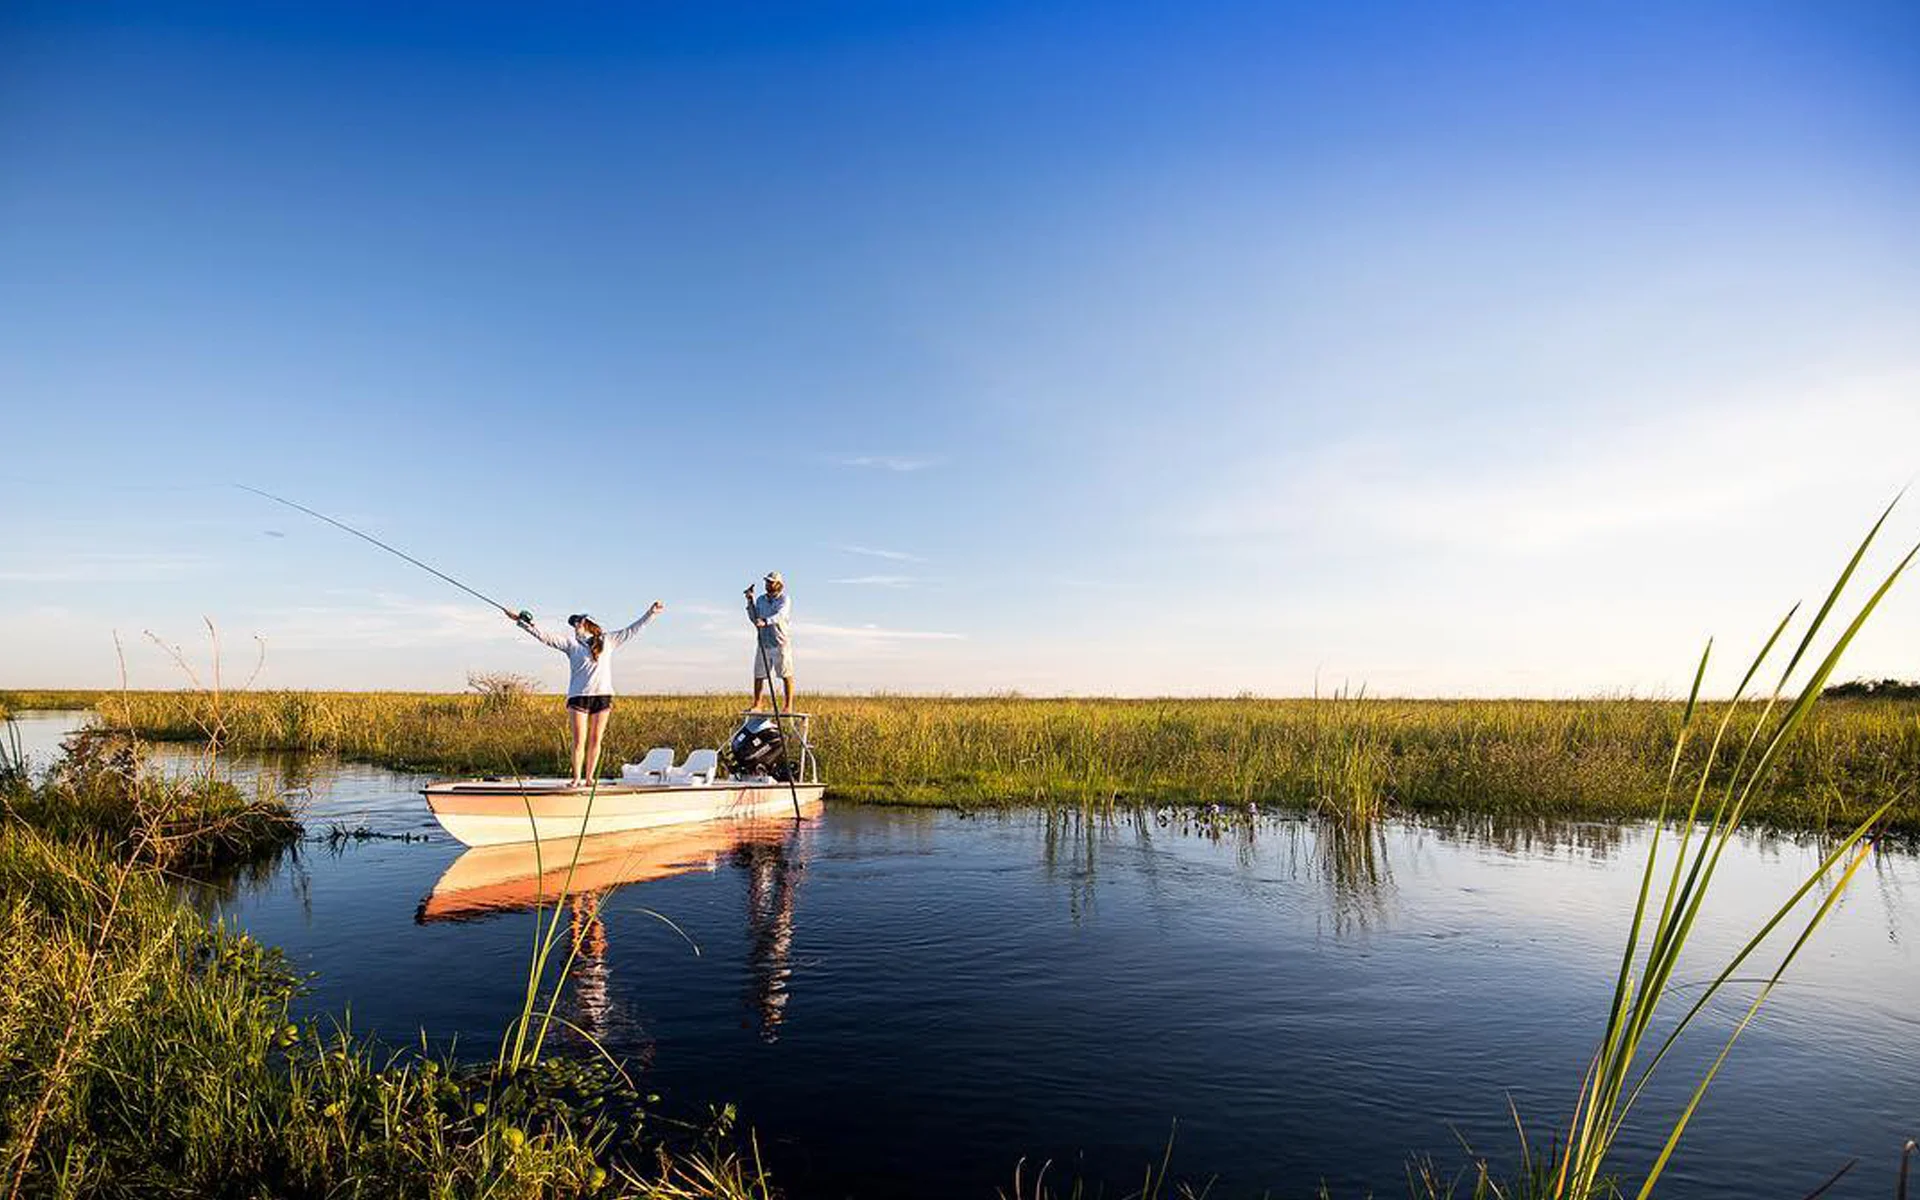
(146, 1052)
(1590, 758)
(26, 701)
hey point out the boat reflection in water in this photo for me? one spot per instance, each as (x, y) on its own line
(487, 880)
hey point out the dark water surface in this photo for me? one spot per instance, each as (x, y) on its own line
(910, 1002)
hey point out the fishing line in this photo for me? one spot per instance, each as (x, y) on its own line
(367, 537)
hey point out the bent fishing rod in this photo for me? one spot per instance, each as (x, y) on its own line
(524, 615)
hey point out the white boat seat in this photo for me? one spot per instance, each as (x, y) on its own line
(699, 768)
(651, 769)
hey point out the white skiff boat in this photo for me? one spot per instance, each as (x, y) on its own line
(649, 794)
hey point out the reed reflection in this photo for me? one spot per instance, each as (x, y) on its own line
(1070, 851)
(1351, 857)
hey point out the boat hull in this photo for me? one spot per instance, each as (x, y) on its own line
(501, 812)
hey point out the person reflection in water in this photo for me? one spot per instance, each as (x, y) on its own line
(772, 882)
(592, 993)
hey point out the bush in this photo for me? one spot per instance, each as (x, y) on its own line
(501, 690)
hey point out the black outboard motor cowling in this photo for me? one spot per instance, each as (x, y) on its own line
(758, 748)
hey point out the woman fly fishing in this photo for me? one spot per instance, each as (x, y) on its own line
(590, 683)
(590, 686)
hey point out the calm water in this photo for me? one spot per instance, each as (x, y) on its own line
(911, 1002)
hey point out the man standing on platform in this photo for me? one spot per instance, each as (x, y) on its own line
(773, 655)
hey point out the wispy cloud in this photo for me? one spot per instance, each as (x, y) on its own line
(886, 581)
(101, 568)
(380, 620)
(888, 462)
(873, 633)
(1693, 470)
(889, 555)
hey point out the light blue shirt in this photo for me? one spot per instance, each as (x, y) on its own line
(774, 610)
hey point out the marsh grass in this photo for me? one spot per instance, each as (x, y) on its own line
(148, 1053)
(1349, 762)
(1602, 759)
(18, 700)
(102, 792)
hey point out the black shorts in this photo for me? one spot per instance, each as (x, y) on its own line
(590, 704)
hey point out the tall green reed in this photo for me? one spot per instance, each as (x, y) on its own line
(1620, 1070)
(525, 1037)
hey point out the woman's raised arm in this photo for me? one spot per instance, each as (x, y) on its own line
(557, 641)
(619, 637)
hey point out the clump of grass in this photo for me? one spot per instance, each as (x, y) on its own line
(146, 1052)
(1156, 1182)
(101, 791)
(1349, 763)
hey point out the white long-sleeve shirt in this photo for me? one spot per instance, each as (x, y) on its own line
(774, 611)
(587, 675)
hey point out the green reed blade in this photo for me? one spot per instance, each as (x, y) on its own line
(1786, 908)
(1600, 1112)
(1839, 585)
(1686, 1115)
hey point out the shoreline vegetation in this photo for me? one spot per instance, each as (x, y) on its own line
(147, 1050)
(1580, 759)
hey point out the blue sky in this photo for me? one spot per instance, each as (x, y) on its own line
(1194, 348)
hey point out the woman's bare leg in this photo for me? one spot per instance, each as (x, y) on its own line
(596, 727)
(579, 741)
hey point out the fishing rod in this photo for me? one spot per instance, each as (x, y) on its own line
(367, 537)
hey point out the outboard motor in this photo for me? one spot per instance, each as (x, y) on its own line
(758, 748)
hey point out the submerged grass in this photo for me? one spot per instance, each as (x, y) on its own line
(1516, 758)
